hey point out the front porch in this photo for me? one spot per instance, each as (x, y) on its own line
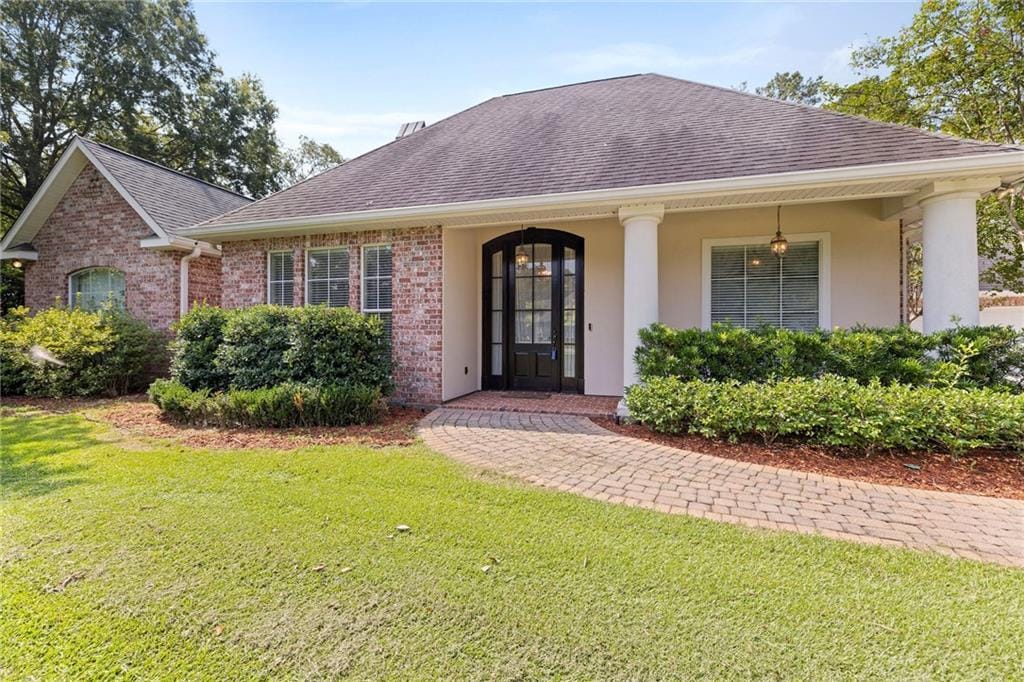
(537, 402)
(556, 304)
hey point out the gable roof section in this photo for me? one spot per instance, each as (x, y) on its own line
(623, 132)
(168, 201)
(172, 199)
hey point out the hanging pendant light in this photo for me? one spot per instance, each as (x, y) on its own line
(522, 257)
(779, 244)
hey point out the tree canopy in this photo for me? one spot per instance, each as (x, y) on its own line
(958, 68)
(792, 86)
(308, 159)
(139, 75)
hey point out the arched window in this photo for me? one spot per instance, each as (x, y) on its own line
(92, 288)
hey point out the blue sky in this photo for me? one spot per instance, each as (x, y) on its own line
(351, 73)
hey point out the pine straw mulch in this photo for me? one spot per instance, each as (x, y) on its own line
(993, 473)
(136, 416)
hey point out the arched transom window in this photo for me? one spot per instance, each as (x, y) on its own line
(93, 288)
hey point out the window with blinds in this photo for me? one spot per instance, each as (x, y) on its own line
(327, 277)
(280, 278)
(751, 287)
(377, 283)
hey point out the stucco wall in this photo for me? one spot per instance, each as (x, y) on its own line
(864, 251)
(864, 278)
(602, 315)
(93, 226)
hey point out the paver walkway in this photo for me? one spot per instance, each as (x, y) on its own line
(574, 454)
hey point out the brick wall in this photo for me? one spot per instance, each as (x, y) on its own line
(416, 298)
(93, 226)
(204, 280)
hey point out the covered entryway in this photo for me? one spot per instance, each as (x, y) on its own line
(533, 311)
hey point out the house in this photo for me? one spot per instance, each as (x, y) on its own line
(524, 242)
(107, 226)
(999, 306)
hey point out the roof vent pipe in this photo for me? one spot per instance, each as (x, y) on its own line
(410, 128)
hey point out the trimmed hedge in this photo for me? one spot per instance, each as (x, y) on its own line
(105, 352)
(968, 357)
(198, 335)
(285, 405)
(267, 345)
(833, 411)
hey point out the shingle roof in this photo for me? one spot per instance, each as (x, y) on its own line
(621, 132)
(172, 199)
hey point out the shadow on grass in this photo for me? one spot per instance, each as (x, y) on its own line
(26, 448)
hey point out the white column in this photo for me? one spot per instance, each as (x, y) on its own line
(640, 279)
(950, 267)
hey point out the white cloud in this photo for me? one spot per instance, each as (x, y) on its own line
(836, 64)
(648, 57)
(351, 134)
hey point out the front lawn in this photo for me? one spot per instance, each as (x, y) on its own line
(125, 555)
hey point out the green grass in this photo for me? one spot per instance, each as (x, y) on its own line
(198, 563)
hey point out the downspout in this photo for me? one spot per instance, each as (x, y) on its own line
(183, 278)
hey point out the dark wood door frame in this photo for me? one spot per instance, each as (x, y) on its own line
(506, 245)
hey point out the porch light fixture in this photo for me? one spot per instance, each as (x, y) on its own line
(17, 264)
(522, 257)
(779, 245)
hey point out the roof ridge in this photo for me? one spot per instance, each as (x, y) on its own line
(163, 167)
(857, 117)
(572, 85)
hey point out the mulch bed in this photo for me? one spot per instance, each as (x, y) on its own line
(136, 416)
(993, 473)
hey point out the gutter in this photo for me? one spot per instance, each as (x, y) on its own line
(177, 243)
(1004, 164)
(197, 251)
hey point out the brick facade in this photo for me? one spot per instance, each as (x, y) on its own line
(204, 281)
(93, 226)
(416, 298)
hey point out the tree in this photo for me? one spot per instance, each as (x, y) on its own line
(308, 159)
(793, 87)
(957, 68)
(136, 74)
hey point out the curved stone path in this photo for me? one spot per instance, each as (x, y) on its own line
(574, 454)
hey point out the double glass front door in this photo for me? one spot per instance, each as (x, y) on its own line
(533, 311)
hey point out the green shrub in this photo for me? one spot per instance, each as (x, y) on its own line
(968, 357)
(286, 405)
(833, 411)
(178, 402)
(269, 345)
(338, 346)
(199, 334)
(103, 352)
(254, 344)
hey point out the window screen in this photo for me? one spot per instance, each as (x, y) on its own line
(281, 278)
(327, 277)
(751, 287)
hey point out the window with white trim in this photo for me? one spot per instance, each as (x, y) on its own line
(377, 283)
(92, 288)
(750, 286)
(327, 277)
(280, 278)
